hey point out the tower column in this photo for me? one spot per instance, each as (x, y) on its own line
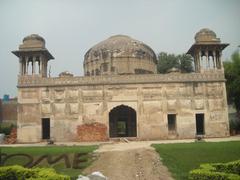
(207, 60)
(195, 63)
(33, 65)
(20, 66)
(27, 59)
(44, 69)
(41, 66)
(23, 65)
(200, 61)
(220, 61)
(214, 60)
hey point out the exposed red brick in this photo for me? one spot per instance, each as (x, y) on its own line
(92, 132)
(12, 138)
(8, 110)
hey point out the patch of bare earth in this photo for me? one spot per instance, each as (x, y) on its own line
(130, 164)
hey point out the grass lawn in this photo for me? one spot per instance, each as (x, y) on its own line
(54, 151)
(183, 157)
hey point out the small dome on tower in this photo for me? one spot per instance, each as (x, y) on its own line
(206, 36)
(33, 37)
(33, 41)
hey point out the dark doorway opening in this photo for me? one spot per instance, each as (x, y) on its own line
(122, 122)
(200, 124)
(171, 123)
(45, 128)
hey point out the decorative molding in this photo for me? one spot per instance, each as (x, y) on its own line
(33, 81)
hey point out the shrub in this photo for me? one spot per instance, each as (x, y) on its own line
(15, 172)
(202, 174)
(231, 167)
(234, 125)
(6, 128)
(18, 172)
(217, 171)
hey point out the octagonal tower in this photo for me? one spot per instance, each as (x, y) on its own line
(207, 51)
(33, 56)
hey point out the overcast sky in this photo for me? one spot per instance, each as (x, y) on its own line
(71, 27)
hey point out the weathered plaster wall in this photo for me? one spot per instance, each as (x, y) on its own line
(70, 106)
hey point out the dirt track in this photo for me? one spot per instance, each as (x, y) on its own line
(128, 163)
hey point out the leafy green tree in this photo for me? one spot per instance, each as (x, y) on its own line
(186, 63)
(232, 74)
(166, 61)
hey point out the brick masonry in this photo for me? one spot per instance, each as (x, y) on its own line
(92, 132)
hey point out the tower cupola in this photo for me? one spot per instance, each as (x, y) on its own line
(33, 56)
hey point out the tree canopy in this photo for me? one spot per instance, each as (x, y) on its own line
(166, 61)
(232, 74)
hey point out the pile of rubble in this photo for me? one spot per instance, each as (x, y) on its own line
(12, 138)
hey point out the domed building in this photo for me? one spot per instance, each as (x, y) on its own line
(121, 94)
(120, 54)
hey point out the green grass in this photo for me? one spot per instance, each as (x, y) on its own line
(181, 158)
(55, 151)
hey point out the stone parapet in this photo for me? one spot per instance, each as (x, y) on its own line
(34, 81)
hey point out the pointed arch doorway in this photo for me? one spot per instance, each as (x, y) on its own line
(122, 122)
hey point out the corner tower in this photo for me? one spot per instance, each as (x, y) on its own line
(207, 51)
(33, 56)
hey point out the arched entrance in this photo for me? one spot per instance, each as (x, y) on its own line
(122, 122)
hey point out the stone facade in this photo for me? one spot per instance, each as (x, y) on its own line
(154, 106)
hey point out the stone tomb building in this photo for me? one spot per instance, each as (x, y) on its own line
(121, 94)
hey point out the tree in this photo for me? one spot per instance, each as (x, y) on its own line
(232, 74)
(186, 63)
(166, 61)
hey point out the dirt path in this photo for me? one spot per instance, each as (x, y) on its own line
(126, 161)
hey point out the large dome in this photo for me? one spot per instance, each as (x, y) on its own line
(206, 36)
(120, 54)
